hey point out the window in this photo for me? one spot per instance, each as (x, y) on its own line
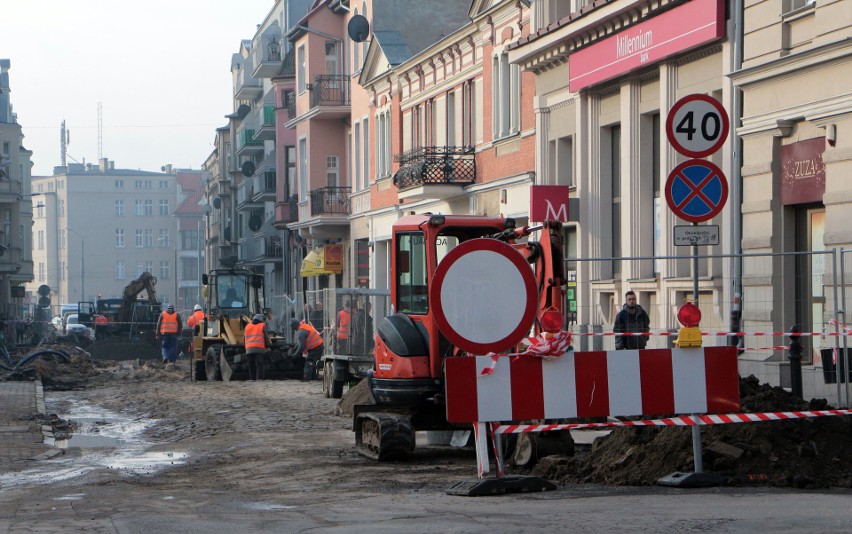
(140, 268)
(62, 208)
(366, 137)
(119, 184)
(506, 97)
(41, 272)
(149, 184)
(119, 237)
(164, 239)
(119, 208)
(140, 210)
(189, 240)
(149, 238)
(137, 184)
(561, 161)
(303, 169)
(330, 57)
(164, 206)
(164, 270)
(290, 165)
(149, 207)
(332, 170)
(356, 163)
(411, 286)
(140, 240)
(41, 239)
(119, 270)
(380, 146)
(300, 61)
(62, 270)
(356, 51)
(612, 148)
(164, 184)
(793, 5)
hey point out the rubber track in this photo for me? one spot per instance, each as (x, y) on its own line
(396, 437)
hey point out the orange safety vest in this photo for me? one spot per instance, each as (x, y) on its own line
(101, 320)
(314, 339)
(168, 323)
(254, 336)
(196, 318)
(343, 324)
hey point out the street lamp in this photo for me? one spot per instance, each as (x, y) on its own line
(82, 263)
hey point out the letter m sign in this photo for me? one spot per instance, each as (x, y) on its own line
(549, 203)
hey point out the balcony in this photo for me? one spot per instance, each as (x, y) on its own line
(270, 247)
(330, 201)
(286, 212)
(245, 195)
(247, 87)
(264, 185)
(330, 95)
(268, 57)
(246, 143)
(434, 172)
(266, 130)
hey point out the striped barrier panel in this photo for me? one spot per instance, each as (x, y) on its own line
(592, 384)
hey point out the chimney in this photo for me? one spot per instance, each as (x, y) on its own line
(103, 163)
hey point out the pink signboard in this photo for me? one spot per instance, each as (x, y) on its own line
(687, 26)
(802, 172)
(549, 203)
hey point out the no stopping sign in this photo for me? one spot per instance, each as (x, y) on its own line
(484, 296)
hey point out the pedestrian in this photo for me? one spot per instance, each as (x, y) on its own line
(344, 319)
(309, 344)
(101, 325)
(257, 340)
(631, 319)
(168, 327)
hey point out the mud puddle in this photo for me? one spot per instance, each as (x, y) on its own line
(101, 440)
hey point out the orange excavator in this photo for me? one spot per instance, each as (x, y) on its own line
(407, 384)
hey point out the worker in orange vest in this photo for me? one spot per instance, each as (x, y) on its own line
(101, 323)
(196, 318)
(169, 326)
(308, 343)
(256, 341)
(344, 318)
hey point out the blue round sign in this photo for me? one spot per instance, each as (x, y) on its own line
(696, 190)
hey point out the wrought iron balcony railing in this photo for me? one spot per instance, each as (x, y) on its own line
(330, 90)
(435, 165)
(330, 201)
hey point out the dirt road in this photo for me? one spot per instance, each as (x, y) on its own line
(274, 457)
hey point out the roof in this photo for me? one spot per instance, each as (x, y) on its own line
(444, 16)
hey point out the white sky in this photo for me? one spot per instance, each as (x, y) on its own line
(160, 68)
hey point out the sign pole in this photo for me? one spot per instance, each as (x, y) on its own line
(696, 430)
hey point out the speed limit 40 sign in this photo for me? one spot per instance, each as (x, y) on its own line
(697, 125)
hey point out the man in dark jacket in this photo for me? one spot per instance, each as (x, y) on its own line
(631, 318)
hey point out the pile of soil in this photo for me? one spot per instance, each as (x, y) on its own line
(802, 453)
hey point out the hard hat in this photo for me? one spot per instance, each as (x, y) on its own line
(257, 317)
(294, 323)
(197, 307)
(170, 307)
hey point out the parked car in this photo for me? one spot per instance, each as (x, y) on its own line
(73, 325)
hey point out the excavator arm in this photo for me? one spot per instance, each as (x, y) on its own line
(146, 282)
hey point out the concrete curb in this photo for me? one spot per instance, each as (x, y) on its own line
(48, 437)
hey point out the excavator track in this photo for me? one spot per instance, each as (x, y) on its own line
(384, 436)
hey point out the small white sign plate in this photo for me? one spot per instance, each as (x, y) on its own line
(686, 235)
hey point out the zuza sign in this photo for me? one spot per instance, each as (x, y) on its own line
(549, 203)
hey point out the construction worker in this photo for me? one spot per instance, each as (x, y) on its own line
(308, 343)
(256, 340)
(344, 318)
(169, 326)
(101, 323)
(196, 318)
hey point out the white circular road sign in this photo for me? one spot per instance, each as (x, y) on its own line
(697, 125)
(484, 296)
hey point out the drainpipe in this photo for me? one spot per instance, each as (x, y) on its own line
(737, 179)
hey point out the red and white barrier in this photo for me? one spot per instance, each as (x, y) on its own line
(685, 420)
(592, 384)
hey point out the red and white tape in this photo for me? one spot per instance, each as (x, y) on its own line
(845, 332)
(681, 420)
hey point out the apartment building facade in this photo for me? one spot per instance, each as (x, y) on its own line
(16, 266)
(97, 228)
(796, 133)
